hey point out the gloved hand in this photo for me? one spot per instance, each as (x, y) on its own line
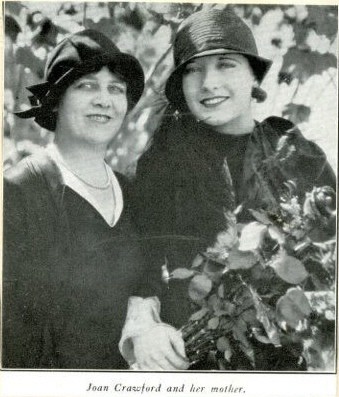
(146, 342)
(160, 348)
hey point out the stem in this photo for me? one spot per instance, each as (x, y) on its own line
(295, 92)
(191, 327)
(154, 68)
(196, 336)
(201, 345)
(330, 81)
(85, 12)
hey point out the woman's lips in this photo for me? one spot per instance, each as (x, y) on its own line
(213, 102)
(99, 118)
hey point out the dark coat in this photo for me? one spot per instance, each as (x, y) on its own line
(191, 175)
(67, 275)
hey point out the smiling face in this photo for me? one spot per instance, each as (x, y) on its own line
(93, 108)
(217, 89)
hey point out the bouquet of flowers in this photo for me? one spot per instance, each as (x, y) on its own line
(267, 286)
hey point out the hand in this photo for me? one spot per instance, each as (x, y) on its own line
(160, 348)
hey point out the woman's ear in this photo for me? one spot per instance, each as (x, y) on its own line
(258, 93)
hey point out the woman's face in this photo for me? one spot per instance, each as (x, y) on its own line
(93, 108)
(218, 88)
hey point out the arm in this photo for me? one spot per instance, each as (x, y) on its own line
(18, 327)
(24, 265)
(147, 343)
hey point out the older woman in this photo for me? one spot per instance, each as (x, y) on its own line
(209, 156)
(71, 256)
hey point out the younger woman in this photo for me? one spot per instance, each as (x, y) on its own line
(209, 156)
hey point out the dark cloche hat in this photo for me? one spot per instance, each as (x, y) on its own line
(79, 54)
(208, 32)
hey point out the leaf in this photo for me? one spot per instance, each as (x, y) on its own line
(293, 307)
(262, 312)
(258, 334)
(239, 334)
(197, 261)
(239, 328)
(199, 314)
(164, 272)
(249, 316)
(213, 323)
(322, 302)
(181, 273)
(221, 291)
(103, 25)
(223, 345)
(301, 63)
(330, 315)
(251, 236)
(168, 11)
(261, 216)
(241, 259)
(228, 354)
(228, 238)
(313, 355)
(214, 270)
(28, 59)
(276, 234)
(289, 268)
(199, 287)
(228, 307)
(13, 7)
(216, 304)
(324, 19)
(297, 113)
(214, 256)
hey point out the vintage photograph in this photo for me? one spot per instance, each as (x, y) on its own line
(169, 187)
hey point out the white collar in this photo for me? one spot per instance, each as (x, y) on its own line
(75, 184)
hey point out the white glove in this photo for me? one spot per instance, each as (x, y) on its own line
(160, 348)
(147, 343)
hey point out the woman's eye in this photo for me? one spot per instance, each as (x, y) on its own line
(86, 85)
(117, 89)
(226, 65)
(191, 69)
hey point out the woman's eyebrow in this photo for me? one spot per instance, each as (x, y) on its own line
(191, 61)
(117, 80)
(92, 76)
(88, 76)
(228, 57)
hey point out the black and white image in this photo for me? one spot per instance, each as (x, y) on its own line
(169, 196)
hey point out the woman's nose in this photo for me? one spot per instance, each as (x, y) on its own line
(210, 79)
(102, 98)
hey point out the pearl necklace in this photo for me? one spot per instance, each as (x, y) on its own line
(106, 185)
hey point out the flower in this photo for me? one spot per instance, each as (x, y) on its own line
(252, 287)
(320, 203)
(319, 212)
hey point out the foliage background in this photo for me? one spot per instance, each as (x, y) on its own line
(301, 85)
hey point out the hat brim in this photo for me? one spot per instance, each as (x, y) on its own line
(173, 87)
(48, 93)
